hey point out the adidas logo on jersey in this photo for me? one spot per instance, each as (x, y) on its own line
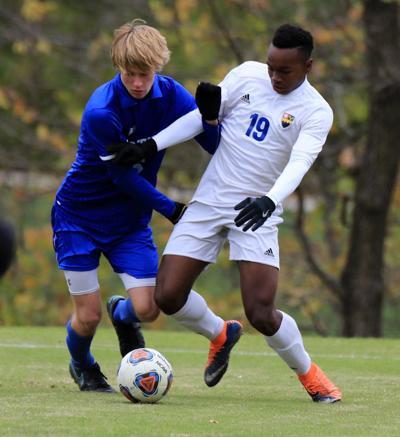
(245, 98)
(269, 252)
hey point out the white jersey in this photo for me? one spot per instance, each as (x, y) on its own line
(263, 134)
(268, 143)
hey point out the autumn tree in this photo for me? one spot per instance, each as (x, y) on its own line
(55, 53)
(363, 278)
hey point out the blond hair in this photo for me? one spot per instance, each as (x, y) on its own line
(137, 45)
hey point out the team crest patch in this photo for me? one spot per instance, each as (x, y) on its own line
(287, 119)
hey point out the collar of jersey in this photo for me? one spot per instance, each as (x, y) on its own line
(128, 101)
(299, 89)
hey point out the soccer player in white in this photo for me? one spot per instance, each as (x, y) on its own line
(274, 124)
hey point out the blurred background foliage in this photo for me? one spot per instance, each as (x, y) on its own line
(55, 53)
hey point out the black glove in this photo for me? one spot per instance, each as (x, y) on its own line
(208, 100)
(180, 209)
(132, 153)
(254, 212)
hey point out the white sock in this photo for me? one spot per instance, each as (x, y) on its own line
(196, 316)
(288, 344)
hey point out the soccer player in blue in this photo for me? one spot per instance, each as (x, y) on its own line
(102, 208)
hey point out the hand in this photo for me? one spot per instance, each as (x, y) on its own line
(254, 212)
(180, 209)
(208, 100)
(132, 153)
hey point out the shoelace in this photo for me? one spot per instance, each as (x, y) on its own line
(97, 374)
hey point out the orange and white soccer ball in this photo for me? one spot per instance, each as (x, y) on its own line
(144, 375)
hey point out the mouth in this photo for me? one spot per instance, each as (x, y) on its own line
(279, 88)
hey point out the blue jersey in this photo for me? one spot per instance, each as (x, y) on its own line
(99, 195)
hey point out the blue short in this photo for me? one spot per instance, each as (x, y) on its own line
(134, 253)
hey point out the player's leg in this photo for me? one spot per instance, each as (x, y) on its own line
(127, 314)
(176, 298)
(76, 251)
(258, 284)
(258, 256)
(82, 326)
(194, 243)
(85, 371)
(135, 256)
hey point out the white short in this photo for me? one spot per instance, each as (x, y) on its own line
(87, 282)
(203, 229)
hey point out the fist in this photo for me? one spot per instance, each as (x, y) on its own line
(208, 100)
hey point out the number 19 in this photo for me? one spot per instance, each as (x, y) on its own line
(258, 127)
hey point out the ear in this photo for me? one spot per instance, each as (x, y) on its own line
(309, 63)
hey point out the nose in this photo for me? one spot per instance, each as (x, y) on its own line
(136, 82)
(275, 77)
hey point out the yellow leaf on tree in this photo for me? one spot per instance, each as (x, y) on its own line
(185, 7)
(36, 10)
(20, 47)
(42, 132)
(43, 46)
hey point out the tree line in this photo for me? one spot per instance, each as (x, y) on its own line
(54, 53)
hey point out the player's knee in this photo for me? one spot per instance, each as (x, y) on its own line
(262, 319)
(159, 298)
(88, 319)
(170, 295)
(148, 313)
(163, 300)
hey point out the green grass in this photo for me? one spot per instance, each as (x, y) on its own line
(258, 396)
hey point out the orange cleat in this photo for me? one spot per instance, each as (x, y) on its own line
(319, 387)
(220, 348)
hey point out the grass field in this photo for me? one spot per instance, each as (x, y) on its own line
(258, 396)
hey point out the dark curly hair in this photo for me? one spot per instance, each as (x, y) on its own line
(289, 36)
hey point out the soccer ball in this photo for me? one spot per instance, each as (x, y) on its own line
(144, 375)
